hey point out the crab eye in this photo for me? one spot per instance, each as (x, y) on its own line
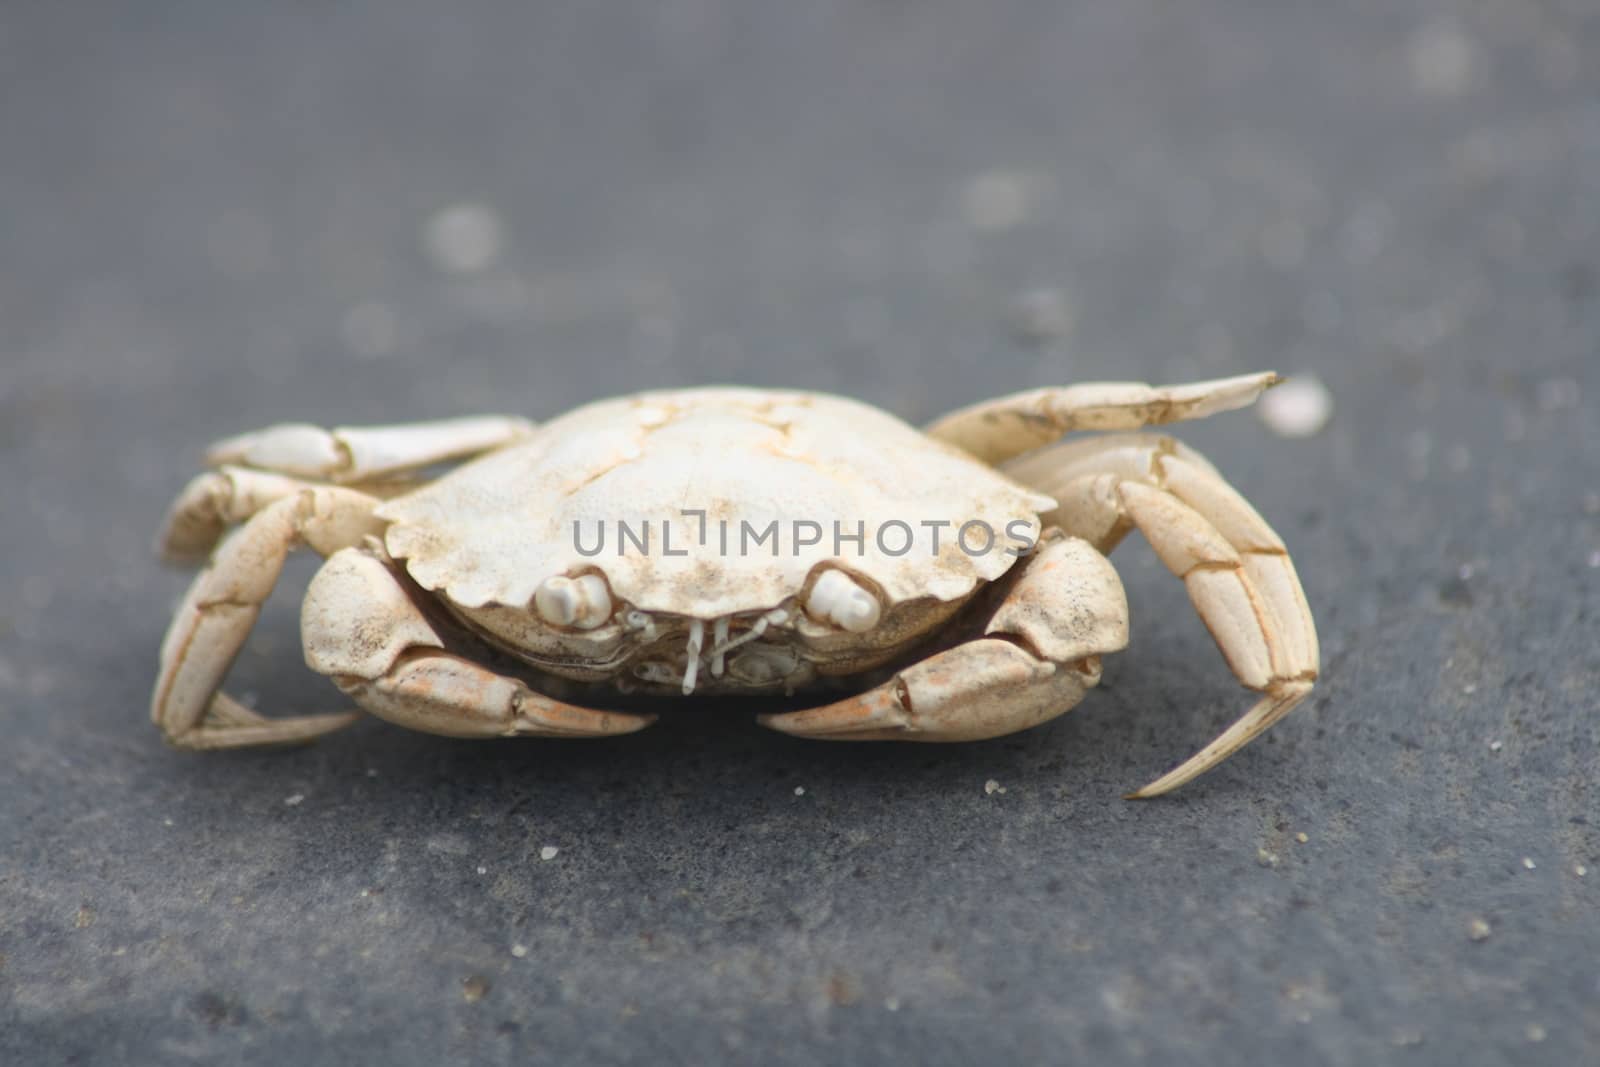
(836, 598)
(583, 602)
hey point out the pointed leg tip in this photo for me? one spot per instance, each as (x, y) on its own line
(1173, 780)
(238, 727)
(1274, 705)
(321, 726)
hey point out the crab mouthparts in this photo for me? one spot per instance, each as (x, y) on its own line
(715, 657)
(691, 655)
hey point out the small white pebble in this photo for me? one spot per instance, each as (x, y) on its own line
(1266, 858)
(991, 787)
(1537, 1033)
(483, 870)
(166, 822)
(799, 790)
(463, 238)
(1496, 746)
(892, 1003)
(1479, 929)
(1301, 837)
(519, 951)
(548, 852)
(294, 800)
(1300, 407)
(1527, 861)
(1580, 870)
(1469, 689)
(365, 893)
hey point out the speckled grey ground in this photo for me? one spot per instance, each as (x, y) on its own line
(211, 221)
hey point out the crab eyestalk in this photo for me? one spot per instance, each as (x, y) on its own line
(837, 599)
(582, 603)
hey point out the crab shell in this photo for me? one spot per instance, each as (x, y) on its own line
(697, 506)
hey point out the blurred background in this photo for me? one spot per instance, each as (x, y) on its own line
(214, 217)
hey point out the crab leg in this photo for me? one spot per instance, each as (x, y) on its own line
(354, 454)
(213, 502)
(1235, 567)
(258, 468)
(222, 606)
(1040, 654)
(996, 430)
(397, 667)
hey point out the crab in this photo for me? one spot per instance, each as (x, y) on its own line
(489, 577)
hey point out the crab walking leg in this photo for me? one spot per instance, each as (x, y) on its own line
(215, 501)
(1040, 654)
(996, 430)
(396, 666)
(354, 454)
(256, 469)
(1235, 567)
(222, 606)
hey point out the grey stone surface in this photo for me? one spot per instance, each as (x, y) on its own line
(217, 216)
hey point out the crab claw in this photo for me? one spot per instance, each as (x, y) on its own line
(982, 689)
(876, 713)
(542, 716)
